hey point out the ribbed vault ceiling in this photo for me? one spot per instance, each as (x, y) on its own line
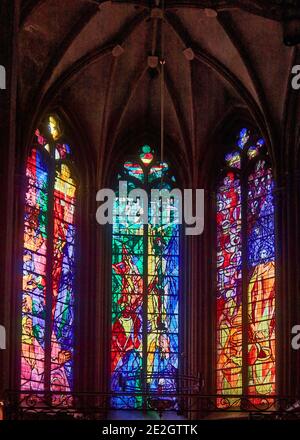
(240, 61)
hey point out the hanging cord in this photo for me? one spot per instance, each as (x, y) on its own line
(162, 86)
(162, 109)
(162, 123)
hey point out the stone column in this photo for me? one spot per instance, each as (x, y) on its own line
(295, 289)
(287, 282)
(9, 21)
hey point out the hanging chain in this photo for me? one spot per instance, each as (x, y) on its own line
(162, 86)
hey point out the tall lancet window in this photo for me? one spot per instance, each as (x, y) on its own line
(145, 286)
(48, 293)
(245, 273)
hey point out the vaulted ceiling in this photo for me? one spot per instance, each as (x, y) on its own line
(70, 55)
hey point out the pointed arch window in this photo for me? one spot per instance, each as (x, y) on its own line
(48, 294)
(145, 287)
(245, 273)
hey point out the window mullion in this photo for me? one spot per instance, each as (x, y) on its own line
(145, 309)
(49, 280)
(244, 197)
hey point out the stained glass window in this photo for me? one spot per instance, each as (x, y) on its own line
(145, 287)
(245, 273)
(48, 292)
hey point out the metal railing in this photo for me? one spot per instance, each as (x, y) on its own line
(187, 400)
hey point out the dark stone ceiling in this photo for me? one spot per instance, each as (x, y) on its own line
(240, 62)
